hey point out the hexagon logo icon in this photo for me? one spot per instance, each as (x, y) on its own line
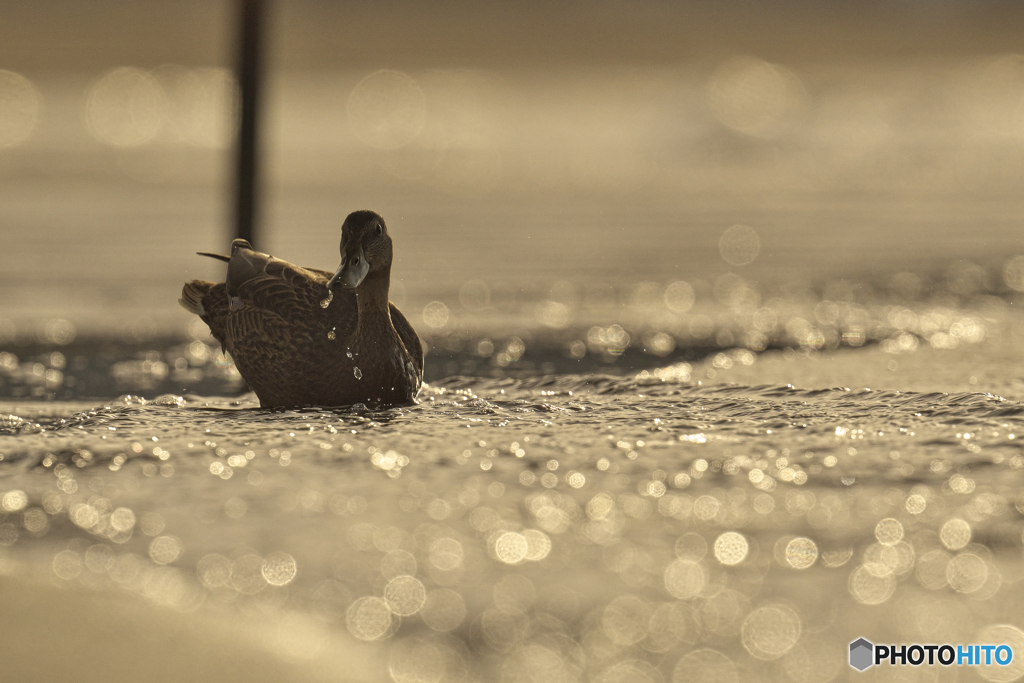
(861, 654)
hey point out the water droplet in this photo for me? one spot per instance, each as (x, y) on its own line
(327, 302)
(357, 372)
(331, 335)
(348, 353)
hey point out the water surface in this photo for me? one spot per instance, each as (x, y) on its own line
(741, 515)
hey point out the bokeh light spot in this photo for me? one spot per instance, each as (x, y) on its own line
(122, 519)
(1013, 273)
(511, 547)
(125, 107)
(705, 666)
(538, 545)
(889, 531)
(202, 104)
(625, 620)
(67, 564)
(214, 571)
(966, 573)
(691, 546)
(387, 109)
(801, 553)
(405, 595)
(444, 609)
(13, 501)
(632, 671)
(84, 515)
(279, 569)
(369, 618)
(955, 534)
(514, 594)
(446, 553)
(165, 549)
(685, 578)
(474, 295)
(435, 314)
(552, 314)
(679, 296)
(814, 661)
(870, 587)
(771, 631)
(731, 548)
(20, 103)
(247, 574)
(416, 661)
(931, 569)
(1002, 634)
(753, 97)
(916, 504)
(739, 245)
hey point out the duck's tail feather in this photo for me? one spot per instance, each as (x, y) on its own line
(192, 296)
(219, 257)
(235, 246)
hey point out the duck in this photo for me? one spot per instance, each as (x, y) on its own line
(306, 337)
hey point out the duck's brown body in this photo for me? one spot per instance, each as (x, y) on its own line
(298, 343)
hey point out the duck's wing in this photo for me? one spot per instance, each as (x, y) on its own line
(260, 295)
(210, 302)
(408, 336)
(270, 284)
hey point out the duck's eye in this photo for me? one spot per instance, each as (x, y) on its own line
(379, 230)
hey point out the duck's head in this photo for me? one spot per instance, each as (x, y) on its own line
(365, 250)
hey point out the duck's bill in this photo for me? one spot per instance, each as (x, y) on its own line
(351, 272)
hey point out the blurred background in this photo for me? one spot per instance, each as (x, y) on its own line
(532, 159)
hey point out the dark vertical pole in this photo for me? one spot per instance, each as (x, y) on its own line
(247, 171)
